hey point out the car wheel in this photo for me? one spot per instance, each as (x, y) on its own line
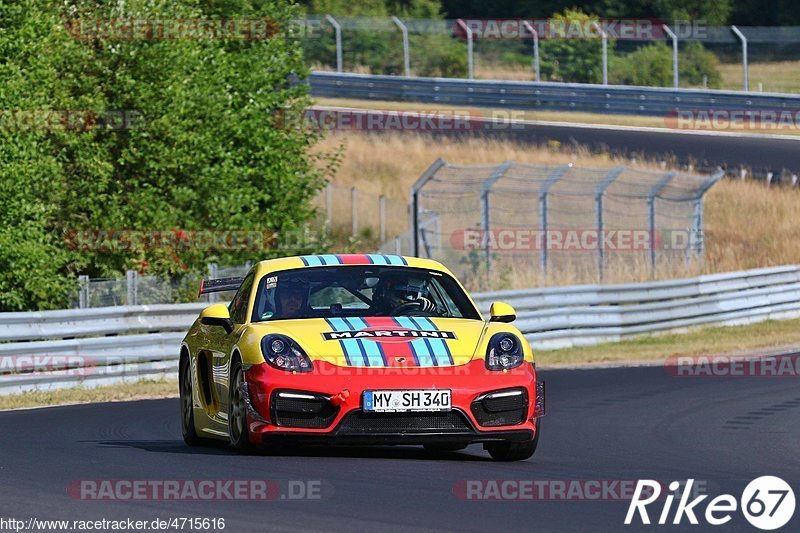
(444, 447)
(514, 451)
(237, 412)
(190, 436)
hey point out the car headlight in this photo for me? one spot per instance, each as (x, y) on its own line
(283, 353)
(505, 352)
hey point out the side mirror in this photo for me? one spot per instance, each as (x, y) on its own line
(502, 312)
(217, 315)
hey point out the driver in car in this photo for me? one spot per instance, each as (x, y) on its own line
(290, 300)
(399, 296)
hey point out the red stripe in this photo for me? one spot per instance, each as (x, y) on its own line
(392, 350)
(354, 259)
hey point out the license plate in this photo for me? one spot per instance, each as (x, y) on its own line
(399, 401)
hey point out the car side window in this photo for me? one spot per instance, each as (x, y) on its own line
(238, 306)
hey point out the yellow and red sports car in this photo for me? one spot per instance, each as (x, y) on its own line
(360, 349)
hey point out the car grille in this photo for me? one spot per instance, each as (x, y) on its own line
(316, 413)
(359, 422)
(502, 410)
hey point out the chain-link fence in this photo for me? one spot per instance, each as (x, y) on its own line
(711, 56)
(136, 289)
(531, 221)
(354, 212)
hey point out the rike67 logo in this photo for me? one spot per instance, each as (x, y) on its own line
(767, 502)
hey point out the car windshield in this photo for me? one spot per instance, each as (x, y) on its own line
(360, 291)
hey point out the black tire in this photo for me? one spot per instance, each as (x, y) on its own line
(444, 447)
(190, 436)
(238, 429)
(514, 451)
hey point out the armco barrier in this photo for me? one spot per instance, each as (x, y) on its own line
(618, 99)
(116, 344)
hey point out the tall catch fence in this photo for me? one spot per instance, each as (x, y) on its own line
(532, 220)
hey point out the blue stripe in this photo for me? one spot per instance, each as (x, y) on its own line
(395, 260)
(330, 259)
(356, 323)
(353, 348)
(422, 352)
(336, 326)
(378, 259)
(339, 324)
(372, 352)
(311, 260)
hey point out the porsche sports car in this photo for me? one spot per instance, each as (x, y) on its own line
(358, 349)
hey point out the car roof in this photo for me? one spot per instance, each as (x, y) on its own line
(311, 261)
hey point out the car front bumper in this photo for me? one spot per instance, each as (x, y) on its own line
(325, 405)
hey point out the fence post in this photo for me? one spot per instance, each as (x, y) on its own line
(486, 189)
(213, 273)
(469, 46)
(83, 291)
(598, 199)
(354, 209)
(406, 56)
(674, 54)
(535, 34)
(651, 215)
(413, 205)
(131, 277)
(742, 38)
(696, 238)
(543, 192)
(382, 216)
(328, 203)
(338, 29)
(604, 37)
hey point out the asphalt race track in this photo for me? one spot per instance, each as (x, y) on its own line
(760, 154)
(602, 424)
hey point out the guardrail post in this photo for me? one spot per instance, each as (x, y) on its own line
(338, 29)
(742, 38)
(604, 37)
(406, 56)
(131, 277)
(486, 189)
(382, 216)
(469, 46)
(413, 205)
(354, 209)
(598, 199)
(674, 54)
(543, 191)
(535, 35)
(83, 291)
(651, 215)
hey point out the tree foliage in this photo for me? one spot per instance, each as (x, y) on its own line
(205, 152)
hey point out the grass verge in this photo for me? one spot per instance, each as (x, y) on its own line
(143, 390)
(726, 340)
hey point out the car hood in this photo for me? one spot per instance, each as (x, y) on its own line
(384, 341)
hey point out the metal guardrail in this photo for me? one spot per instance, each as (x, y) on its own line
(100, 346)
(619, 99)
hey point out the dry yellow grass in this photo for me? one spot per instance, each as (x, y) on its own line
(747, 224)
(143, 390)
(774, 77)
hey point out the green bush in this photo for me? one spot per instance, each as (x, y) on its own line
(651, 65)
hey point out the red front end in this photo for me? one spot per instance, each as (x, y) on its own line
(325, 405)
